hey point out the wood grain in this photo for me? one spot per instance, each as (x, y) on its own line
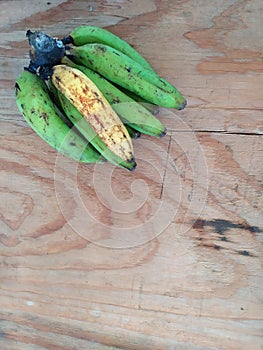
(169, 256)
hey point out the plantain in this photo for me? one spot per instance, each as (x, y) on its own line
(153, 109)
(89, 133)
(91, 113)
(34, 103)
(91, 34)
(54, 94)
(129, 110)
(124, 71)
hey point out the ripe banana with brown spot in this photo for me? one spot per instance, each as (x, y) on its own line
(96, 119)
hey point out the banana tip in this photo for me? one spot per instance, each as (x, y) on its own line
(133, 167)
(182, 106)
(163, 133)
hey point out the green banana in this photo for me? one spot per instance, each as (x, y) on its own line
(89, 111)
(34, 103)
(121, 69)
(91, 34)
(153, 109)
(54, 95)
(129, 111)
(55, 99)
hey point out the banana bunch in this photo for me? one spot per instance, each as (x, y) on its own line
(90, 93)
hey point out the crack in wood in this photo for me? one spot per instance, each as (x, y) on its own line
(244, 133)
(166, 164)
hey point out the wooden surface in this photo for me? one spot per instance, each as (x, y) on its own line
(169, 256)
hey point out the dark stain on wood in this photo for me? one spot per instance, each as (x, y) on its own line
(221, 226)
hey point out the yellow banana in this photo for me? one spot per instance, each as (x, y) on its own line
(111, 137)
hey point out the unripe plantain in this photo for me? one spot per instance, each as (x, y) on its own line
(122, 70)
(91, 34)
(112, 138)
(34, 103)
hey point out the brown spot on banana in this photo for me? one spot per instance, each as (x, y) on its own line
(45, 117)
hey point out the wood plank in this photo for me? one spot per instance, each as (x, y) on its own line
(166, 257)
